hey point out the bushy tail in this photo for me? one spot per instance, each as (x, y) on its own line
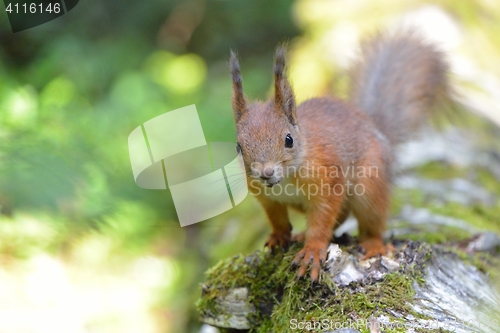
(399, 80)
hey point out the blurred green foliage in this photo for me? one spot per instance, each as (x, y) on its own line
(73, 89)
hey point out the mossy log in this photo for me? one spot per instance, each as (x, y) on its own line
(418, 288)
(443, 276)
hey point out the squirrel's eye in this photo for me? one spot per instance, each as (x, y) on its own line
(288, 141)
(238, 148)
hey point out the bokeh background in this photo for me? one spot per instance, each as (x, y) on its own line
(82, 248)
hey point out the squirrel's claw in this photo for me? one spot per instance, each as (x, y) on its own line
(281, 240)
(310, 255)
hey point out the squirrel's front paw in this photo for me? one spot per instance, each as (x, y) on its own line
(281, 240)
(314, 254)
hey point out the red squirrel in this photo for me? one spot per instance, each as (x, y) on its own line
(329, 158)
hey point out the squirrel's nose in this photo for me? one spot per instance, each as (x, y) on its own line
(267, 172)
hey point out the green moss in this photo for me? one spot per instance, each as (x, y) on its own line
(488, 181)
(271, 280)
(431, 234)
(438, 235)
(240, 271)
(479, 216)
(438, 170)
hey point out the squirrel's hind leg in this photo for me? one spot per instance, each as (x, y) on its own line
(371, 209)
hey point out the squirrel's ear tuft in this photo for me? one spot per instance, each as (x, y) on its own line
(239, 102)
(283, 93)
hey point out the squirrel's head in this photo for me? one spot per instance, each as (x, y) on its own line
(267, 132)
